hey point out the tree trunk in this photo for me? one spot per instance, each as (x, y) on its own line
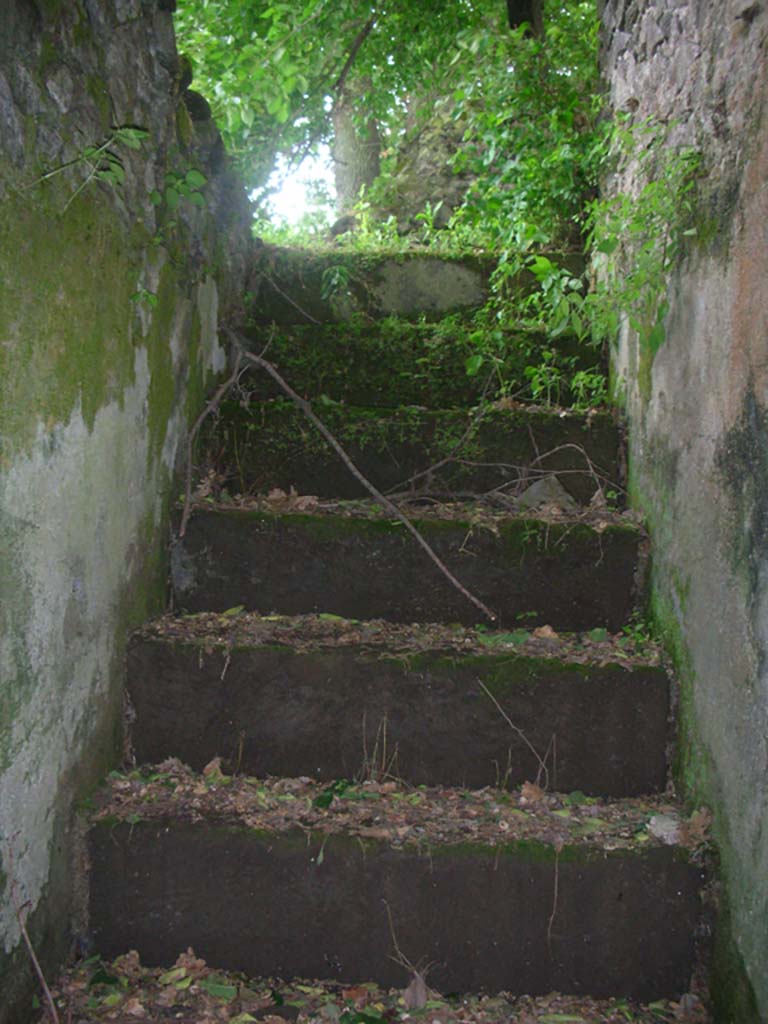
(356, 149)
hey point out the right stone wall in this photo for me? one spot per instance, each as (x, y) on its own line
(698, 427)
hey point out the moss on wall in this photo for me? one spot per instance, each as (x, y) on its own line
(65, 310)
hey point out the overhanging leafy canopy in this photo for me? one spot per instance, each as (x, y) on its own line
(273, 70)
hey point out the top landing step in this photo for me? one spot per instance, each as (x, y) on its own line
(302, 286)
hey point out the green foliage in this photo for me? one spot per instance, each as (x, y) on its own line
(335, 281)
(100, 163)
(274, 70)
(637, 237)
(531, 141)
(181, 186)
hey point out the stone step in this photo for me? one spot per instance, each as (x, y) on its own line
(390, 363)
(272, 444)
(299, 286)
(329, 698)
(562, 571)
(524, 893)
(190, 990)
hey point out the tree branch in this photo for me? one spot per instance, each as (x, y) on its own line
(357, 42)
(306, 408)
(210, 407)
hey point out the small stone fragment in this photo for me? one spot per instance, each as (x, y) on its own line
(547, 491)
(666, 828)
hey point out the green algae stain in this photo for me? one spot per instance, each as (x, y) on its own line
(162, 385)
(65, 286)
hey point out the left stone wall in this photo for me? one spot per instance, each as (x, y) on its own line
(109, 310)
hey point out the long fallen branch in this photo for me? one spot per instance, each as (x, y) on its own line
(306, 408)
(210, 407)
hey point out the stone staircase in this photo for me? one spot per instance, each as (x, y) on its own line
(354, 774)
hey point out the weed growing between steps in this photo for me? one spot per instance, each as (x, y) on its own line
(123, 991)
(451, 361)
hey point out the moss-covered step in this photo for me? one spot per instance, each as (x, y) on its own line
(523, 893)
(300, 286)
(566, 574)
(331, 699)
(272, 444)
(121, 989)
(394, 362)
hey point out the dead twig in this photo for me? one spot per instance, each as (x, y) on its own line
(18, 909)
(210, 407)
(288, 298)
(306, 408)
(473, 425)
(416, 994)
(550, 922)
(543, 772)
(380, 765)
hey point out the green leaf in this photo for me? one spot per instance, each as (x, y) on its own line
(593, 824)
(195, 179)
(155, 198)
(325, 799)
(172, 976)
(576, 798)
(561, 1018)
(236, 609)
(473, 364)
(517, 636)
(102, 977)
(598, 634)
(219, 989)
(608, 246)
(131, 137)
(172, 197)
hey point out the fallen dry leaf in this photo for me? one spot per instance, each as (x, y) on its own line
(697, 828)
(545, 633)
(531, 793)
(134, 1007)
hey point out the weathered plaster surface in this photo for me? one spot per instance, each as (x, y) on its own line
(97, 387)
(71, 512)
(699, 439)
